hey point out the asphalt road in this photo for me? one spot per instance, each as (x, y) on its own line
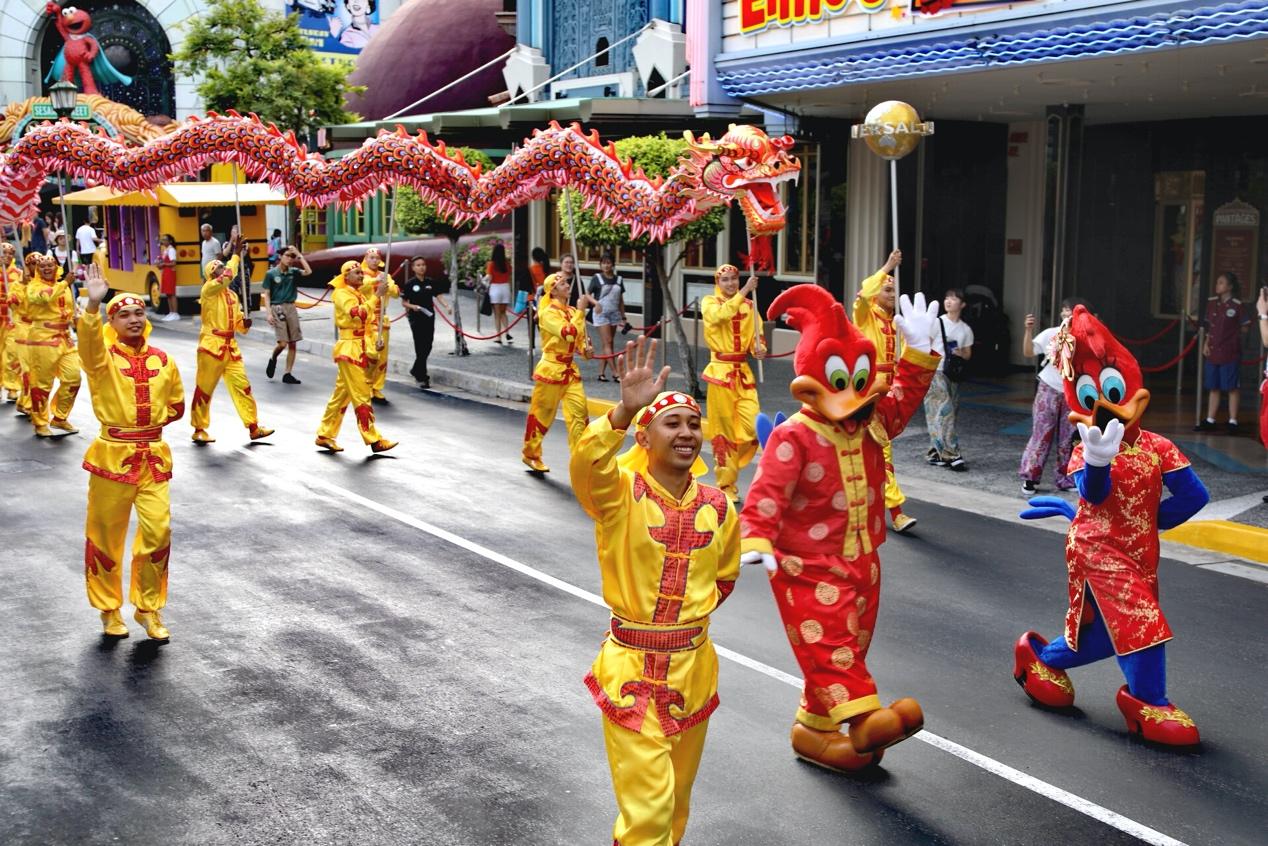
(343, 671)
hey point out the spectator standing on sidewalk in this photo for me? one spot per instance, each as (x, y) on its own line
(608, 290)
(1048, 413)
(86, 241)
(498, 270)
(942, 402)
(278, 293)
(1226, 321)
(167, 281)
(421, 296)
(1262, 308)
(210, 246)
(539, 270)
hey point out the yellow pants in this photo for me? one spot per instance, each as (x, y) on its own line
(22, 355)
(210, 371)
(351, 386)
(378, 367)
(894, 496)
(732, 432)
(10, 370)
(541, 413)
(652, 777)
(49, 365)
(109, 506)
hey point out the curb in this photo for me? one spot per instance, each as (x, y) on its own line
(1248, 542)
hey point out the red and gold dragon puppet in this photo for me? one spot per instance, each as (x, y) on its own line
(1112, 546)
(744, 164)
(814, 517)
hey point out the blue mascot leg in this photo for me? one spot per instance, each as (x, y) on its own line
(1094, 644)
(1146, 674)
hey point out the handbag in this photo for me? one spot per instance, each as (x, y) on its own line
(956, 369)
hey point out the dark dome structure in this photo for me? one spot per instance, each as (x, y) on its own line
(424, 46)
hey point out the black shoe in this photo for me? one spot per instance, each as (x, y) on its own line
(1204, 426)
(958, 464)
(1233, 428)
(290, 380)
(424, 384)
(271, 367)
(1028, 487)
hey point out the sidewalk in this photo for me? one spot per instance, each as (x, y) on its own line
(994, 420)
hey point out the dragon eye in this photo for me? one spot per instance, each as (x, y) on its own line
(1113, 386)
(1085, 391)
(838, 376)
(862, 370)
(744, 162)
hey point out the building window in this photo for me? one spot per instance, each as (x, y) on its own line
(701, 253)
(601, 49)
(1179, 214)
(797, 242)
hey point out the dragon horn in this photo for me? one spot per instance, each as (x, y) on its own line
(704, 143)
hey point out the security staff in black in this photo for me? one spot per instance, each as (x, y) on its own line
(421, 296)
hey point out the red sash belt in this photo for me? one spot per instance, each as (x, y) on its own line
(124, 435)
(61, 326)
(731, 358)
(223, 333)
(660, 638)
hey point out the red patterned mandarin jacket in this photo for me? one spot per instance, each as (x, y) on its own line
(817, 489)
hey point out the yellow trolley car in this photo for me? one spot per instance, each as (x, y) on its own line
(134, 221)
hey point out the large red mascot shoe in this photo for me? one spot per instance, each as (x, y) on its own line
(884, 727)
(831, 750)
(1046, 685)
(1164, 724)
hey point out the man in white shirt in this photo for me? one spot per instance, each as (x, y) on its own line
(210, 246)
(86, 241)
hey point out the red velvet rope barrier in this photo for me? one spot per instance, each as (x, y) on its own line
(1173, 362)
(466, 334)
(1140, 342)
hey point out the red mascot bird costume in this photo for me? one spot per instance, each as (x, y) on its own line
(814, 517)
(1112, 547)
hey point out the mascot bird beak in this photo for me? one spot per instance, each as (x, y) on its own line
(1129, 413)
(837, 406)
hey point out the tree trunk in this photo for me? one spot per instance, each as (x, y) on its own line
(459, 342)
(656, 262)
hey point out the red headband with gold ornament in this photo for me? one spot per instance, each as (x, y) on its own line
(122, 301)
(726, 268)
(666, 402)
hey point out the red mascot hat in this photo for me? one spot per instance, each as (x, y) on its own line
(1102, 379)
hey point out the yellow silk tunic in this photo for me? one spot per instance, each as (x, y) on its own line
(354, 320)
(732, 328)
(19, 315)
(370, 285)
(563, 334)
(51, 310)
(135, 393)
(10, 278)
(877, 325)
(221, 318)
(666, 564)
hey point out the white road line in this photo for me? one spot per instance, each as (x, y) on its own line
(1063, 797)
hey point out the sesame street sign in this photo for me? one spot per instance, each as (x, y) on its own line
(757, 15)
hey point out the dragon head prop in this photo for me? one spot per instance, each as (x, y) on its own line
(834, 362)
(1102, 379)
(747, 165)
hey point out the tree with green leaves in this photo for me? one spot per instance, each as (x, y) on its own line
(256, 61)
(656, 155)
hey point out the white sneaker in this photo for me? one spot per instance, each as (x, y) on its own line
(170, 316)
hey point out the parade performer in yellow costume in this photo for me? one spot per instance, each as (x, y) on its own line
(373, 269)
(354, 355)
(136, 391)
(20, 314)
(556, 378)
(732, 331)
(10, 279)
(874, 317)
(218, 353)
(51, 354)
(669, 550)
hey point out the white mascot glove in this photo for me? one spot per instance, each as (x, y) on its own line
(918, 322)
(764, 558)
(1099, 448)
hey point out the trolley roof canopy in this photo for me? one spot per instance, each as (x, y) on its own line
(180, 195)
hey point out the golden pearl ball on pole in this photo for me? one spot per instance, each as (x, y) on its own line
(892, 129)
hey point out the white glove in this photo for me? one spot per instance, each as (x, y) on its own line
(1100, 448)
(918, 322)
(764, 558)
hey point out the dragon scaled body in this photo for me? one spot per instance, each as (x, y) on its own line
(744, 164)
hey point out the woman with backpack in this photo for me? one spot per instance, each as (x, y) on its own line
(608, 290)
(954, 342)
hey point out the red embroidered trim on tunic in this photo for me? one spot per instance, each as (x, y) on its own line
(680, 538)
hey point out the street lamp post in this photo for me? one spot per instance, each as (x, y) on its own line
(64, 96)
